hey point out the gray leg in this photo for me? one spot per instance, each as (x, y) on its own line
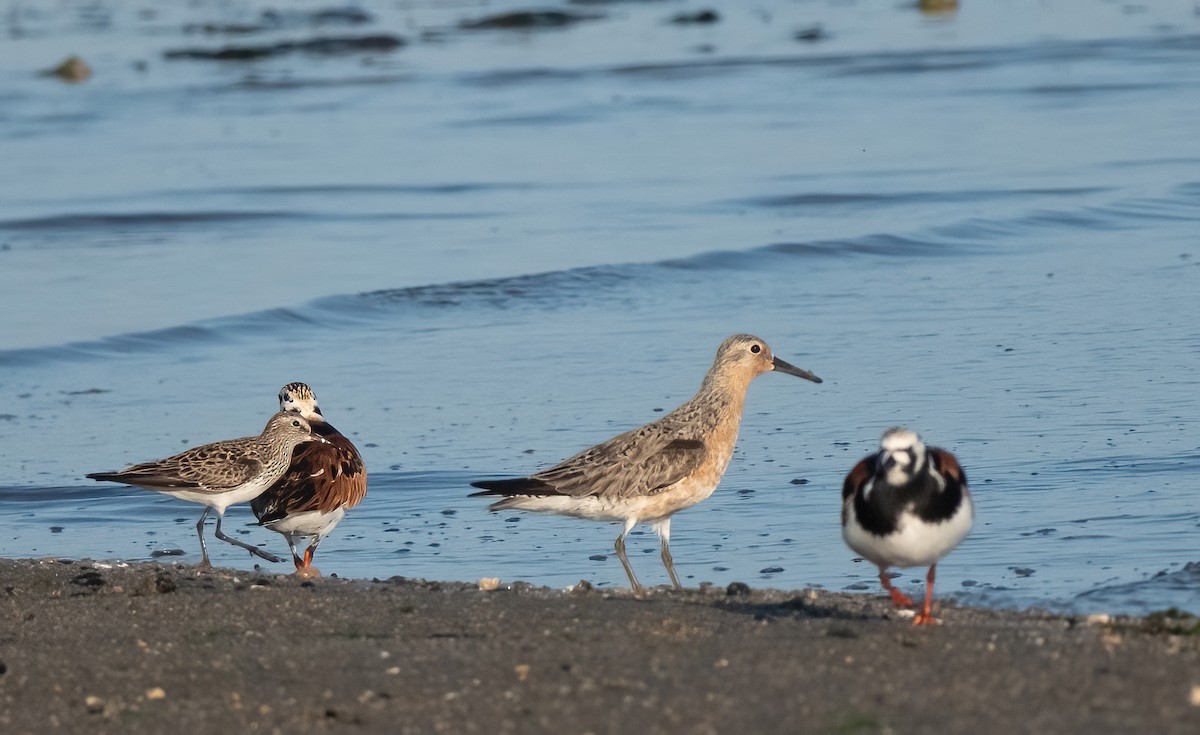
(200, 532)
(619, 547)
(252, 549)
(663, 529)
(311, 550)
(295, 553)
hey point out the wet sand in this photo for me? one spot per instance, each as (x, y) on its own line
(151, 648)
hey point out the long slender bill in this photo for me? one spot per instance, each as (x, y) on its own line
(784, 366)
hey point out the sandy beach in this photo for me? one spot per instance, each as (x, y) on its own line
(149, 648)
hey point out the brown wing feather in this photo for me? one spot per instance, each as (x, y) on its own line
(945, 463)
(211, 468)
(321, 477)
(856, 478)
(639, 462)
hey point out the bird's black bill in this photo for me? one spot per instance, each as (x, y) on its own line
(784, 366)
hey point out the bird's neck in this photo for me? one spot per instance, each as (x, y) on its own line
(274, 451)
(721, 397)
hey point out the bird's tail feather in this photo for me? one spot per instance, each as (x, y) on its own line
(104, 476)
(517, 486)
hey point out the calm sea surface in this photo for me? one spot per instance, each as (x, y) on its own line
(487, 249)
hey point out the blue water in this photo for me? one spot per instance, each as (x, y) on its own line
(489, 249)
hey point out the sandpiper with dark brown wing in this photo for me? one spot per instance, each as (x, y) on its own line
(648, 474)
(223, 473)
(322, 483)
(906, 505)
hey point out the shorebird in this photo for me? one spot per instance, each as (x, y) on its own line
(906, 505)
(322, 483)
(648, 474)
(223, 473)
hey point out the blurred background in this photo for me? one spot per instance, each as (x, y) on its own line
(490, 234)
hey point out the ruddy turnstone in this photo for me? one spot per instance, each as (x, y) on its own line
(906, 505)
(223, 473)
(322, 483)
(648, 474)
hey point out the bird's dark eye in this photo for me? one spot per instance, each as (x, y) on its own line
(755, 349)
(295, 423)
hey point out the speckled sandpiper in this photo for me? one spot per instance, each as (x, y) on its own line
(906, 505)
(223, 473)
(648, 474)
(322, 483)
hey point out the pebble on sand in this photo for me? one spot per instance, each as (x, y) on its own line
(487, 584)
(73, 70)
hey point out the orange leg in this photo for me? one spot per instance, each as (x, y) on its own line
(899, 599)
(304, 567)
(925, 617)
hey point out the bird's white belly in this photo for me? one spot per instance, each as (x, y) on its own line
(914, 543)
(681, 495)
(308, 523)
(589, 507)
(220, 501)
(644, 508)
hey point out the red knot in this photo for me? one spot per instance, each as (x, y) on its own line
(651, 473)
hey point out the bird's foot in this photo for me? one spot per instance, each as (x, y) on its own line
(309, 572)
(925, 618)
(899, 599)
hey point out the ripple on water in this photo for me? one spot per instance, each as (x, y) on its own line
(1178, 588)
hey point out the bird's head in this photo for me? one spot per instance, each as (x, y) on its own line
(290, 428)
(902, 456)
(747, 355)
(299, 398)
